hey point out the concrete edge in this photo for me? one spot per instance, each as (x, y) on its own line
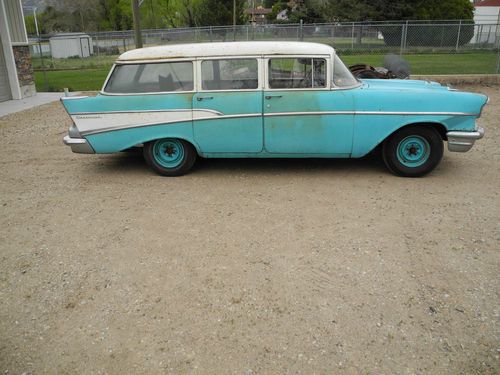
(461, 79)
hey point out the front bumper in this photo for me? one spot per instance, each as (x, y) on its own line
(78, 145)
(463, 141)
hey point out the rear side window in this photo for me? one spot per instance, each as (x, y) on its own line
(297, 73)
(229, 74)
(146, 78)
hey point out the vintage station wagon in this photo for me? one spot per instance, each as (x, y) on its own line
(267, 100)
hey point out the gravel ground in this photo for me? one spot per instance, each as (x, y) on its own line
(245, 267)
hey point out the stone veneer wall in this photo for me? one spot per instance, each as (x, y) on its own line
(24, 68)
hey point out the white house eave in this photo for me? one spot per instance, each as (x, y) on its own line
(9, 55)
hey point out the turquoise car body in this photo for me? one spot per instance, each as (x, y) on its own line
(337, 123)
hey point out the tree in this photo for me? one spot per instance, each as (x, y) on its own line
(383, 10)
(117, 15)
(306, 10)
(277, 7)
(218, 12)
(444, 10)
(432, 35)
(345, 11)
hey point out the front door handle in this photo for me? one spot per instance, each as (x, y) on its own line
(200, 98)
(268, 97)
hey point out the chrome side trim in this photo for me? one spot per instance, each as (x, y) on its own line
(309, 113)
(114, 128)
(63, 98)
(78, 145)
(149, 111)
(105, 93)
(369, 113)
(463, 141)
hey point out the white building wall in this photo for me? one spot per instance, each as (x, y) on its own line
(486, 30)
(62, 48)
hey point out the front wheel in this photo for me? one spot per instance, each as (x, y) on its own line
(413, 151)
(169, 156)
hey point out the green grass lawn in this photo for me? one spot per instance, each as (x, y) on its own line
(74, 80)
(93, 71)
(92, 62)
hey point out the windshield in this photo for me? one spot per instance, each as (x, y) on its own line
(342, 77)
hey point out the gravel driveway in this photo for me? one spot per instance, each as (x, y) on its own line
(245, 267)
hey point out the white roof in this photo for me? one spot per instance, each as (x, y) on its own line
(172, 51)
(70, 36)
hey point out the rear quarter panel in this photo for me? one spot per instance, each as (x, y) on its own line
(113, 123)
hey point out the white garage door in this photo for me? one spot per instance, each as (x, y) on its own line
(4, 79)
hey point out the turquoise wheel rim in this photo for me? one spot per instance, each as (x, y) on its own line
(169, 153)
(413, 151)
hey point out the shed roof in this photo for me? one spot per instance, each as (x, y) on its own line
(226, 49)
(69, 36)
(488, 3)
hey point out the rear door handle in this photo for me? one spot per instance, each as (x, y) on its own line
(268, 97)
(200, 98)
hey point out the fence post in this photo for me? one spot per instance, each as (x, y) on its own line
(46, 83)
(404, 28)
(124, 45)
(498, 61)
(458, 35)
(301, 30)
(97, 42)
(352, 37)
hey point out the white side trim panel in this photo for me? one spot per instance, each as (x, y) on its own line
(104, 121)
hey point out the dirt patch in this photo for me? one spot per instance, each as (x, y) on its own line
(245, 266)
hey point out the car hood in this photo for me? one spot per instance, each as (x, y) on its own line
(402, 84)
(398, 95)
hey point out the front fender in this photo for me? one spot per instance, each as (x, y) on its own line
(372, 130)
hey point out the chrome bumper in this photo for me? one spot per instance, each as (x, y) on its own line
(78, 145)
(463, 141)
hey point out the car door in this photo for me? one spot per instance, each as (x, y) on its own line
(227, 110)
(302, 114)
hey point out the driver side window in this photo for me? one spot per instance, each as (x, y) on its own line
(297, 73)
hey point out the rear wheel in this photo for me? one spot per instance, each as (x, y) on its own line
(169, 156)
(413, 151)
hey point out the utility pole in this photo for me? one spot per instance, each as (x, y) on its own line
(234, 19)
(234, 13)
(137, 24)
(36, 22)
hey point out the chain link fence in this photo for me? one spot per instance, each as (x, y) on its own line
(438, 47)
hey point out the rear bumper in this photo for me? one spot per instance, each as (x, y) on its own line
(463, 141)
(78, 145)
